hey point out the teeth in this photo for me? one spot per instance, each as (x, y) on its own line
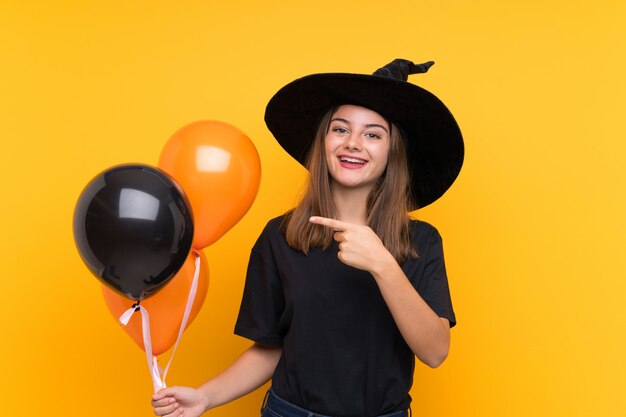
(352, 160)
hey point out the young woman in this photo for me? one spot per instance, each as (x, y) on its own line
(345, 290)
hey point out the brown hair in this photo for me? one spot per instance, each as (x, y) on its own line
(387, 203)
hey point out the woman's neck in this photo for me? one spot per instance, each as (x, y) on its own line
(350, 203)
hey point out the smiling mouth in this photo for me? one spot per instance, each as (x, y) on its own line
(350, 160)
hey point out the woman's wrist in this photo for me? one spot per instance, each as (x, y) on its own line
(207, 396)
(383, 266)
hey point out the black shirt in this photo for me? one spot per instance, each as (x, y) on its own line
(343, 354)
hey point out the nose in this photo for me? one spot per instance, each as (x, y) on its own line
(353, 141)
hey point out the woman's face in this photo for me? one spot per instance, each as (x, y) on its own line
(357, 147)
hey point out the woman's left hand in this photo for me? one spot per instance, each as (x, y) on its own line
(359, 246)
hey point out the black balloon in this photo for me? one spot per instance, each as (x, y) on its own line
(133, 228)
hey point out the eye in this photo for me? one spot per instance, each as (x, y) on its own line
(372, 135)
(339, 129)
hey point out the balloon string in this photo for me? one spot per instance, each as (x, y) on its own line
(188, 307)
(158, 376)
(157, 382)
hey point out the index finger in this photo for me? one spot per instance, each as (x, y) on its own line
(163, 402)
(336, 225)
(164, 392)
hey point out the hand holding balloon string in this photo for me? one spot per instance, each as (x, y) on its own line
(178, 401)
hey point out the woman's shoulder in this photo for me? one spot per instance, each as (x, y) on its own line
(272, 231)
(273, 225)
(416, 224)
(271, 243)
(423, 232)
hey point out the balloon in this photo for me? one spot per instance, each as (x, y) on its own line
(133, 229)
(219, 169)
(166, 308)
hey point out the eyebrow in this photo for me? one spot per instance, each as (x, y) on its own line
(340, 119)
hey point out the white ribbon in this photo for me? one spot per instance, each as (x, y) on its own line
(188, 307)
(158, 375)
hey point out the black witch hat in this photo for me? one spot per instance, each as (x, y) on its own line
(433, 139)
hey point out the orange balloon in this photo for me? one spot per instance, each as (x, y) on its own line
(166, 307)
(219, 169)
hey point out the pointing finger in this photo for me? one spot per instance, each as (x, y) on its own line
(336, 225)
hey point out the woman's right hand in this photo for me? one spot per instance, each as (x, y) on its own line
(179, 401)
(253, 368)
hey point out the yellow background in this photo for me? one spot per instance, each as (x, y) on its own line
(534, 228)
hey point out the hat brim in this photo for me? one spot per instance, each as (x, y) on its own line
(434, 142)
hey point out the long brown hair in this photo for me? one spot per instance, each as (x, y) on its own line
(387, 203)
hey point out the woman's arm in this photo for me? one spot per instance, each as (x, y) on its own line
(253, 368)
(427, 334)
